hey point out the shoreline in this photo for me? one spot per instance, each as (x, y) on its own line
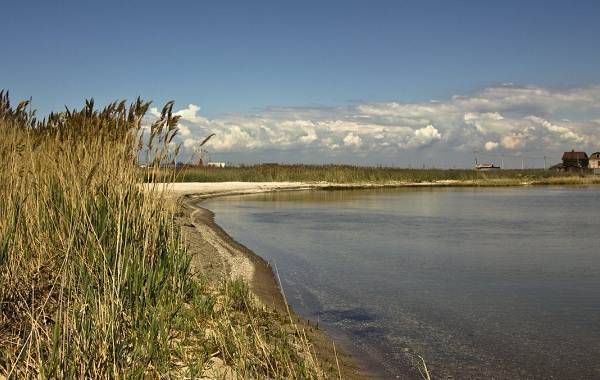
(205, 190)
(239, 261)
(232, 259)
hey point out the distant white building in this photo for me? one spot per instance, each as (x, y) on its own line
(595, 161)
(216, 164)
(486, 167)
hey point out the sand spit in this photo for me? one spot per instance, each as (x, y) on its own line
(204, 190)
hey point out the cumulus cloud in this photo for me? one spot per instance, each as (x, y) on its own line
(352, 140)
(191, 115)
(507, 117)
(425, 136)
(562, 133)
(491, 145)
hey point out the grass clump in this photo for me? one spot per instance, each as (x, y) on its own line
(95, 279)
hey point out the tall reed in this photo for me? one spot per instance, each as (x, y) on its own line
(95, 279)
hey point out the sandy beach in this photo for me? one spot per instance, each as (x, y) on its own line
(203, 190)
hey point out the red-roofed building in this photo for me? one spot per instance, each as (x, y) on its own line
(575, 160)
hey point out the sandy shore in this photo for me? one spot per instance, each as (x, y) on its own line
(204, 190)
(216, 254)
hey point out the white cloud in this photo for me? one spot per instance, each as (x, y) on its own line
(563, 133)
(190, 114)
(491, 145)
(330, 144)
(154, 112)
(507, 117)
(309, 137)
(352, 140)
(424, 137)
(184, 130)
(486, 122)
(518, 139)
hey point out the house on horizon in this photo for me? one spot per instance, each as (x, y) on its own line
(595, 161)
(486, 167)
(216, 164)
(575, 160)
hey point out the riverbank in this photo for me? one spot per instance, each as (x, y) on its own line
(360, 175)
(95, 278)
(216, 255)
(213, 189)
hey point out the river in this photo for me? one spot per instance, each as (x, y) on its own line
(479, 282)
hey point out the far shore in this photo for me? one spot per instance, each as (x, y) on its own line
(216, 189)
(362, 176)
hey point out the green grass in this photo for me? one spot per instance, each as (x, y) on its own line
(95, 279)
(359, 175)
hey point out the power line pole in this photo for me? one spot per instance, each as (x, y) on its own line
(522, 163)
(545, 164)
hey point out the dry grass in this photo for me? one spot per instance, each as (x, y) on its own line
(95, 281)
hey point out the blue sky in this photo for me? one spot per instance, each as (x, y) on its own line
(249, 57)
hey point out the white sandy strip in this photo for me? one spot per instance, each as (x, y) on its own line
(211, 189)
(208, 189)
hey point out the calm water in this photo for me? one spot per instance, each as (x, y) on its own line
(482, 283)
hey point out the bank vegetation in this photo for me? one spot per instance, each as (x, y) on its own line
(95, 279)
(347, 174)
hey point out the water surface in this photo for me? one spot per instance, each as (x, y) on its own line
(481, 283)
